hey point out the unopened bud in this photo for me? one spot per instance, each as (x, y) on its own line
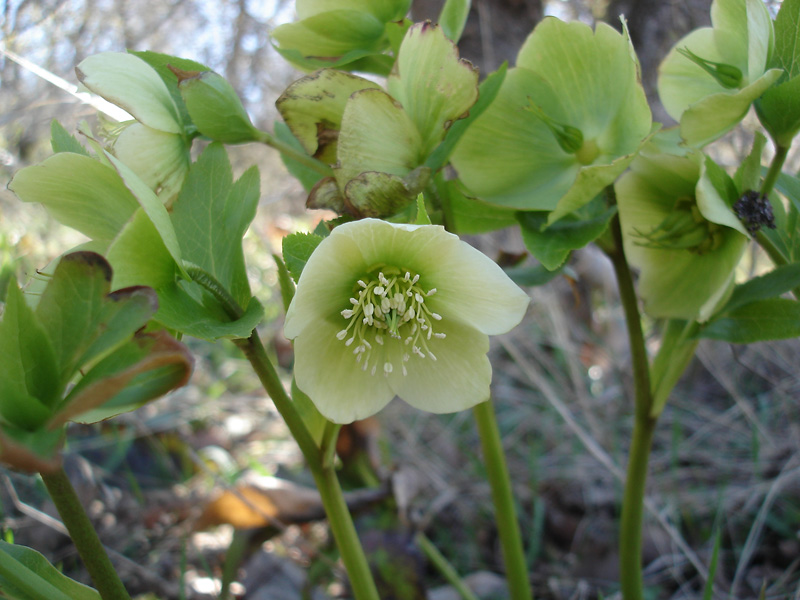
(215, 107)
(728, 76)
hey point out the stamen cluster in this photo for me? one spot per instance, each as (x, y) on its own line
(392, 306)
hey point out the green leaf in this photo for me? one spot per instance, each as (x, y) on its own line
(83, 320)
(762, 320)
(789, 186)
(487, 92)
(553, 245)
(422, 217)
(778, 110)
(62, 141)
(31, 451)
(79, 192)
(453, 18)
(29, 381)
(147, 367)
(185, 307)
(159, 62)
(27, 575)
(473, 216)
(307, 176)
(778, 281)
(787, 38)
(154, 208)
(297, 249)
(538, 275)
(212, 214)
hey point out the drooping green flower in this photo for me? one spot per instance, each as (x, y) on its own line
(154, 145)
(567, 121)
(377, 141)
(711, 76)
(338, 33)
(383, 309)
(679, 230)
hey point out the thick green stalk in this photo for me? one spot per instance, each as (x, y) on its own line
(341, 523)
(301, 157)
(631, 577)
(84, 536)
(505, 512)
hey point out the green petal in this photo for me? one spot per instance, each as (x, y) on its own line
(596, 77)
(313, 106)
(715, 115)
(508, 156)
(459, 377)
(385, 10)
(713, 206)
(326, 283)
(160, 159)
(132, 84)
(328, 373)
(433, 85)
(376, 135)
(331, 34)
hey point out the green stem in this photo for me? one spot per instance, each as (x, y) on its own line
(301, 157)
(341, 523)
(444, 567)
(84, 536)
(254, 351)
(774, 169)
(344, 532)
(505, 512)
(631, 577)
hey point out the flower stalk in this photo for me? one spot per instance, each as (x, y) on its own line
(631, 576)
(503, 497)
(84, 536)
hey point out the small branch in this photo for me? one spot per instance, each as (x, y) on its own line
(444, 567)
(774, 169)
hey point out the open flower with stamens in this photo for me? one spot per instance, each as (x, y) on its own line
(384, 309)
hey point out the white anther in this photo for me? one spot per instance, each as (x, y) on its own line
(436, 316)
(342, 334)
(362, 284)
(431, 355)
(441, 336)
(386, 305)
(407, 276)
(379, 339)
(415, 280)
(353, 301)
(418, 297)
(406, 357)
(405, 371)
(350, 341)
(387, 368)
(431, 292)
(410, 314)
(365, 343)
(369, 309)
(347, 313)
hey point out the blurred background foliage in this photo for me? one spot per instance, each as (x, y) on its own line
(725, 463)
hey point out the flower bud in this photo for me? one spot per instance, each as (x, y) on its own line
(215, 107)
(726, 75)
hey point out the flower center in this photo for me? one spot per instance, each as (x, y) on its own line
(392, 307)
(684, 228)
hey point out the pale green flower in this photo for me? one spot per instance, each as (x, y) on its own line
(384, 309)
(376, 141)
(154, 146)
(336, 33)
(711, 76)
(679, 230)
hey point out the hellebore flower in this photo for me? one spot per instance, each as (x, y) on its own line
(378, 142)
(154, 145)
(567, 121)
(335, 33)
(384, 309)
(679, 230)
(711, 76)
